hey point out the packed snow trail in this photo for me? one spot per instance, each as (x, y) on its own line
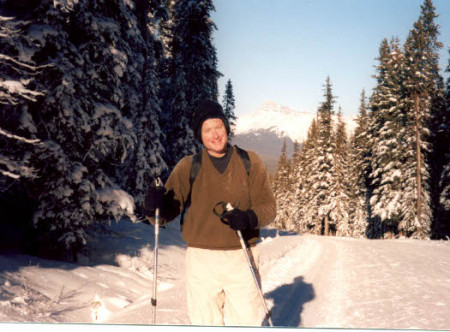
(382, 284)
(308, 281)
(333, 282)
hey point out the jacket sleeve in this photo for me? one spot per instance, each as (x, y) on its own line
(177, 191)
(262, 198)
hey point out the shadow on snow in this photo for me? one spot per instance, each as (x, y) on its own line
(288, 301)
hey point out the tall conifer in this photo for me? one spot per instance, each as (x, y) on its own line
(422, 79)
(387, 140)
(193, 74)
(444, 179)
(282, 189)
(228, 104)
(325, 175)
(341, 187)
(305, 209)
(359, 172)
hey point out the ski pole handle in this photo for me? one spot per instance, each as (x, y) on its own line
(157, 183)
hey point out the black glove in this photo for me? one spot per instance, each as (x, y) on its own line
(240, 220)
(153, 200)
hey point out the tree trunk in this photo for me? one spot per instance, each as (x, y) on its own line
(327, 226)
(418, 157)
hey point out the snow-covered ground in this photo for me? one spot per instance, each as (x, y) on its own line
(308, 281)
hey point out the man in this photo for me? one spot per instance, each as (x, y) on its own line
(220, 286)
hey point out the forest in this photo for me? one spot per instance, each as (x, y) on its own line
(390, 178)
(96, 99)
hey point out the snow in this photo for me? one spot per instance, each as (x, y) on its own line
(308, 281)
(121, 198)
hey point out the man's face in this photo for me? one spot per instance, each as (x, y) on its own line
(214, 137)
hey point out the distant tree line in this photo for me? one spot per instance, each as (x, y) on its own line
(391, 178)
(96, 101)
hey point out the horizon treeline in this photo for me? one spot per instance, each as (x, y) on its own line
(96, 101)
(391, 177)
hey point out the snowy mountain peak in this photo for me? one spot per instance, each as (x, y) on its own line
(281, 120)
(276, 118)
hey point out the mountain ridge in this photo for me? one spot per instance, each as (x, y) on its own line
(265, 129)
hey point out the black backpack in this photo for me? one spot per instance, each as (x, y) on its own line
(197, 164)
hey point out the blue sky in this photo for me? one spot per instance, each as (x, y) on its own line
(283, 50)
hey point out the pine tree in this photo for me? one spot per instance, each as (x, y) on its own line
(282, 190)
(341, 193)
(294, 171)
(422, 80)
(444, 183)
(315, 181)
(18, 139)
(325, 176)
(387, 141)
(146, 161)
(17, 130)
(376, 121)
(439, 141)
(228, 104)
(359, 172)
(89, 115)
(305, 208)
(193, 75)
(89, 118)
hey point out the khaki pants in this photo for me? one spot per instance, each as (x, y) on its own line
(221, 289)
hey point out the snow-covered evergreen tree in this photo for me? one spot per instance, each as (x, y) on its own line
(228, 104)
(443, 140)
(314, 173)
(341, 193)
(282, 190)
(407, 98)
(87, 115)
(387, 140)
(325, 177)
(359, 171)
(17, 130)
(193, 74)
(422, 80)
(94, 117)
(305, 208)
(146, 161)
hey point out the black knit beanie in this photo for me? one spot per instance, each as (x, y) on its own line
(207, 109)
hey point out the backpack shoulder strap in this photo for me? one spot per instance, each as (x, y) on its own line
(195, 168)
(245, 158)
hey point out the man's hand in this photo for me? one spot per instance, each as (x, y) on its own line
(153, 200)
(239, 220)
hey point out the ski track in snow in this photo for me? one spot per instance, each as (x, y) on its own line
(380, 284)
(308, 281)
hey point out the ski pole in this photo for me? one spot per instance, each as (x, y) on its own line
(229, 207)
(255, 278)
(157, 183)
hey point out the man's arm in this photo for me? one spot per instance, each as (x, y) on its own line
(177, 190)
(261, 194)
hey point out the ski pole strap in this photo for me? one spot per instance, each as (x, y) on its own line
(153, 302)
(157, 182)
(223, 207)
